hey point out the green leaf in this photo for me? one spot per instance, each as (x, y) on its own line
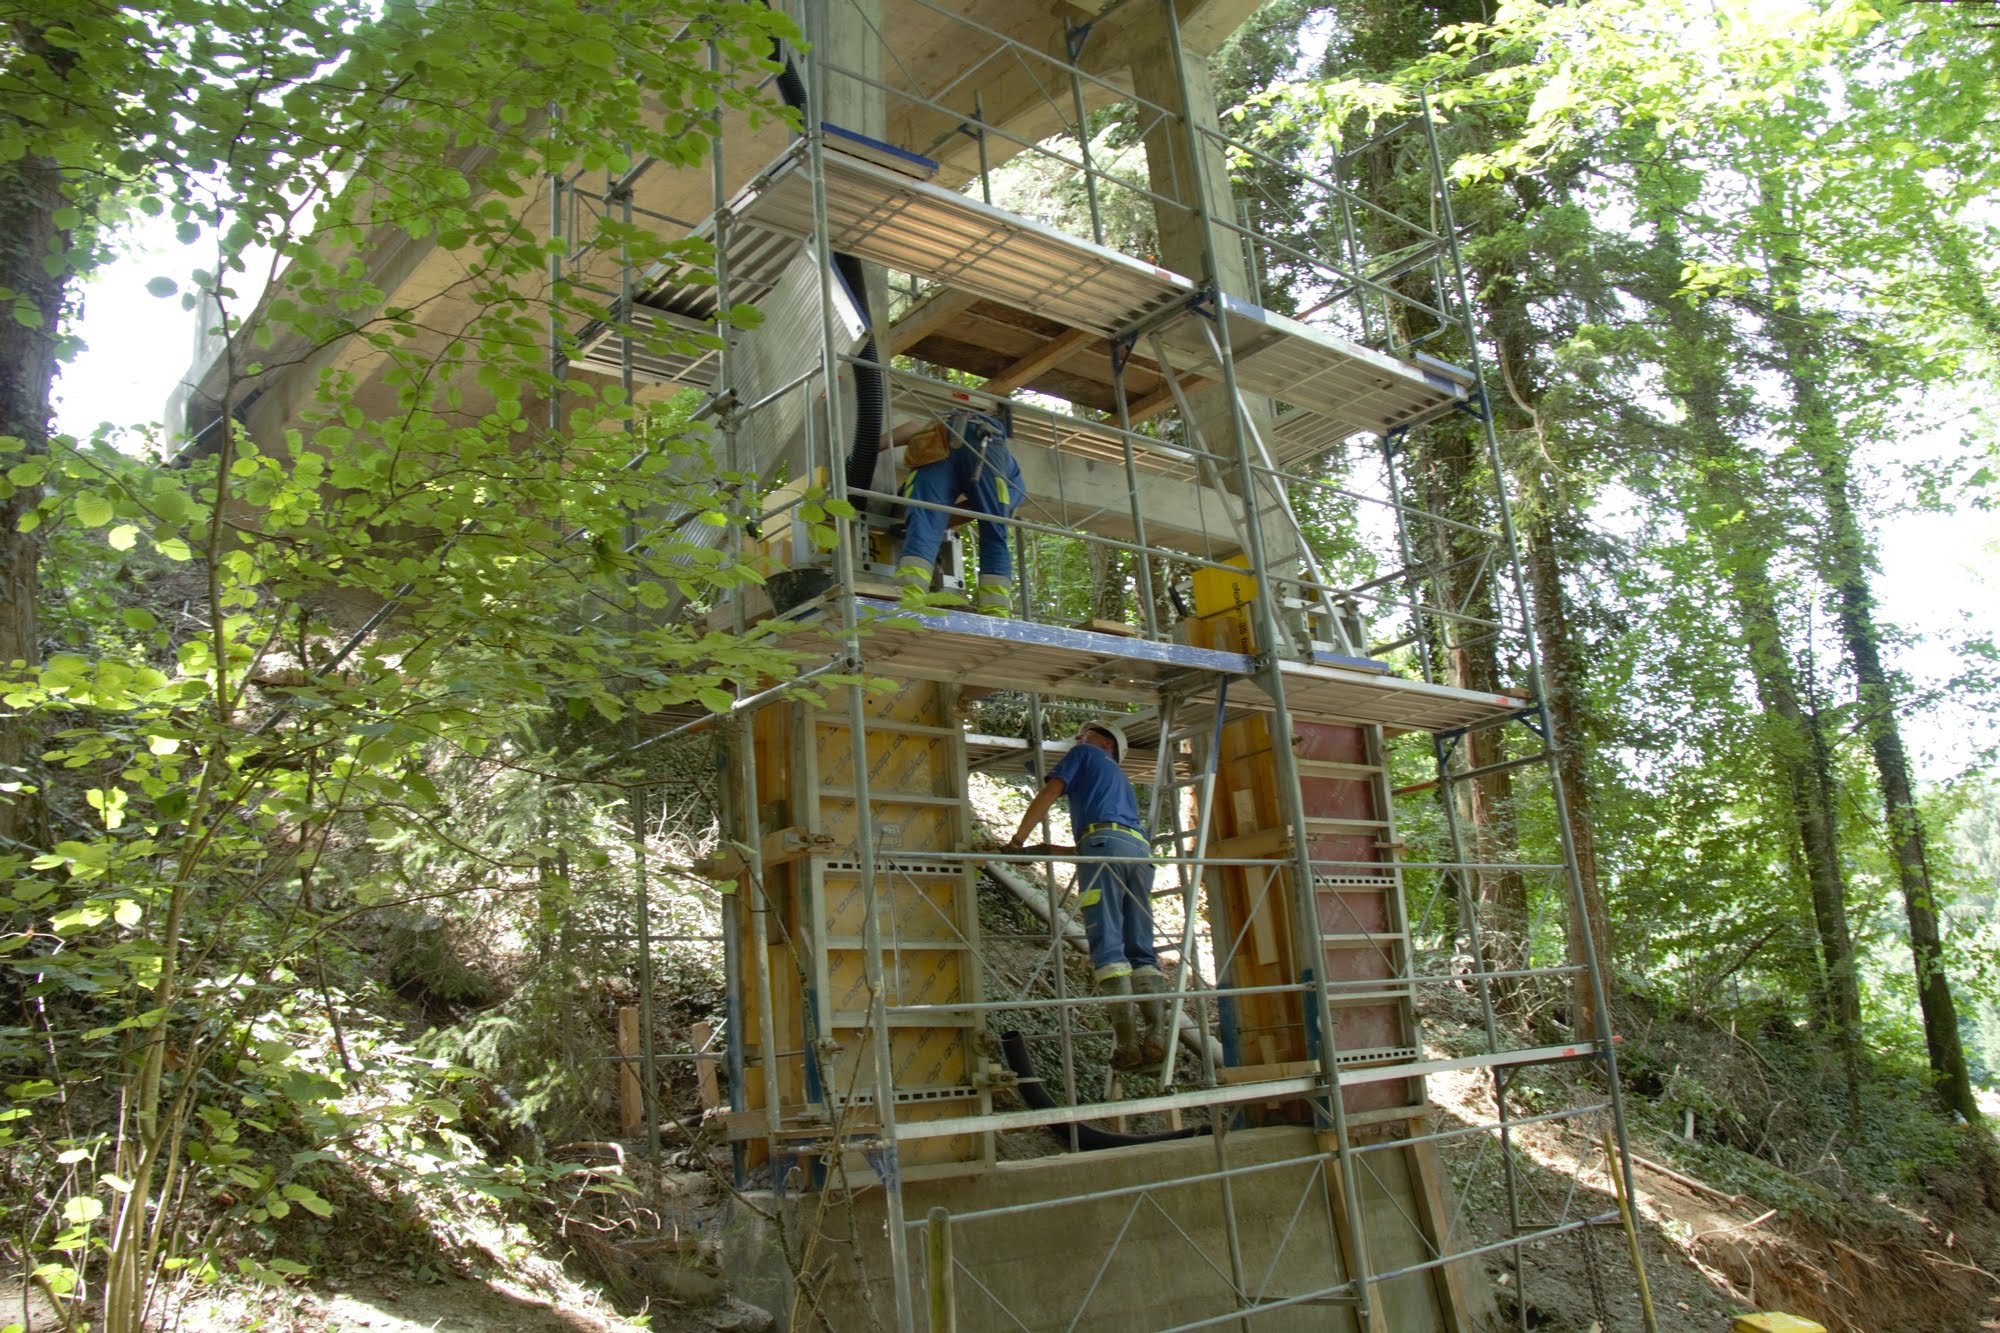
(592, 51)
(163, 287)
(123, 537)
(309, 1199)
(93, 510)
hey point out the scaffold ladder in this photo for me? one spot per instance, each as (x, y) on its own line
(1265, 491)
(1179, 820)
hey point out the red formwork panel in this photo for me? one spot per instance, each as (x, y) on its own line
(1363, 956)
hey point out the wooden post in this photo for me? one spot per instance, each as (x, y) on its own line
(940, 1281)
(704, 1069)
(631, 1098)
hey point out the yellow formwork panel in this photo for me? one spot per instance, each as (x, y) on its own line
(1218, 590)
(946, 1148)
(909, 976)
(926, 910)
(921, 1060)
(905, 829)
(1774, 1323)
(921, 909)
(899, 763)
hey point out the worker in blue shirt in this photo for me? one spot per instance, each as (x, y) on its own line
(964, 462)
(1115, 876)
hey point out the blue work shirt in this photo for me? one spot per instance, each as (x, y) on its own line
(1097, 791)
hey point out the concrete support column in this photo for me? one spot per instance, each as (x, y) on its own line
(1182, 170)
(855, 101)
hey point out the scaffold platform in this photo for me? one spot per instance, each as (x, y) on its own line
(907, 224)
(999, 653)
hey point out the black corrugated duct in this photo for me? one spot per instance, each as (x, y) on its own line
(1089, 1138)
(870, 398)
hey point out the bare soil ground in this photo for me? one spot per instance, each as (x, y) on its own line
(1710, 1255)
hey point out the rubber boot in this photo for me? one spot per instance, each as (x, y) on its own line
(915, 573)
(995, 596)
(1125, 1053)
(1151, 988)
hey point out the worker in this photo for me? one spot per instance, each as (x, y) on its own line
(962, 462)
(1115, 877)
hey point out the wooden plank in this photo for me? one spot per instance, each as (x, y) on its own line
(1261, 845)
(1265, 1073)
(780, 847)
(1389, 1115)
(1025, 369)
(932, 315)
(1344, 1224)
(631, 1097)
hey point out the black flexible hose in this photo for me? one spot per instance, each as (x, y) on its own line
(790, 86)
(1089, 1138)
(870, 393)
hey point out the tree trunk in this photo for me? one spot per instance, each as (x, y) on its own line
(1739, 526)
(30, 194)
(1450, 474)
(1845, 558)
(1108, 579)
(1562, 668)
(1562, 680)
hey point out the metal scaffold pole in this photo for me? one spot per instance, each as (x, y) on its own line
(742, 781)
(1270, 637)
(850, 534)
(1578, 908)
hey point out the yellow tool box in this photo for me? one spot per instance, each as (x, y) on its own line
(1774, 1323)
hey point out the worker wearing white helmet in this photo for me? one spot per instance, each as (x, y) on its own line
(1117, 887)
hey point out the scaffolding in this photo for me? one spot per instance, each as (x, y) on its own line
(1315, 884)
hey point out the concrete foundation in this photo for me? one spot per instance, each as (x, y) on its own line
(1155, 1256)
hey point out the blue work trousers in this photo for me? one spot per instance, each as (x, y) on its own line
(1117, 903)
(979, 474)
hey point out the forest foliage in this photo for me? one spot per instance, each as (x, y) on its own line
(1732, 260)
(1735, 265)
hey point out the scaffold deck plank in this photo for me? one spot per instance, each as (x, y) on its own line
(930, 232)
(993, 652)
(997, 653)
(1265, 1090)
(1321, 692)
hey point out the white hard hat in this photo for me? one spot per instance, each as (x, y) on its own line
(1111, 729)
